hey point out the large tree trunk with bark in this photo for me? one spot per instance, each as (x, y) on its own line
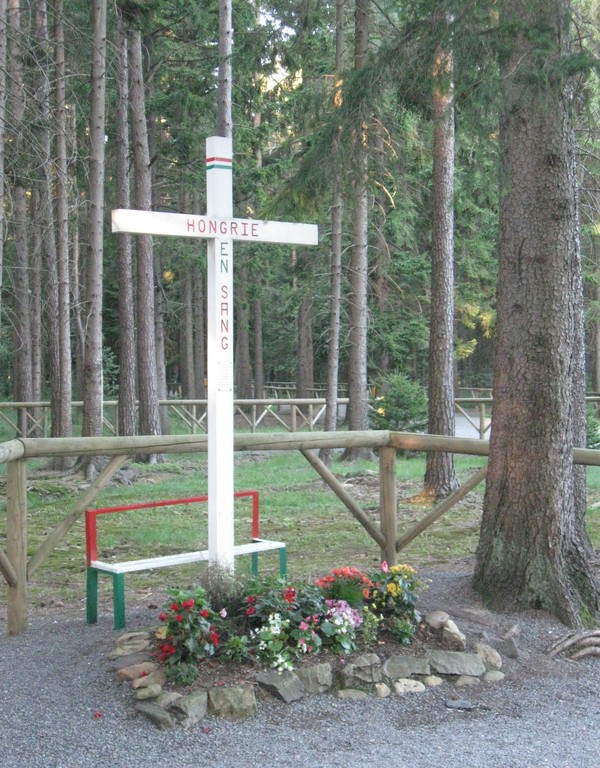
(358, 395)
(534, 550)
(92, 376)
(146, 345)
(440, 477)
(126, 409)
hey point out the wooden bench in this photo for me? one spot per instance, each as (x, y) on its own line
(118, 570)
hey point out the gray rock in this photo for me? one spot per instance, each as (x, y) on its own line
(507, 647)
(286, 686)
(128, 661)
(490, 657)
(436, 619)
(467, 681)
(382, 690)
(494, 676)
(316, 678)
(351, 694)
(408, 686)
(432, 680)
(136, 670)
(158, 677)
(190, 709)
(155, 714)
(150, 692)
(134, 646)
(364, 669)
(234, 703)
(452, 638)
(463, 704)
(453, 663)
(405, 666)
(167, 698)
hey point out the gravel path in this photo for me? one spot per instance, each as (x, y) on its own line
(62, 709)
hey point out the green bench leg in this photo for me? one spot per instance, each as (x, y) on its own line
(91, 598)
(119, 600)
(283, 563)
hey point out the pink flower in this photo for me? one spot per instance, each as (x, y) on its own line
(223, 613)
(303, 626)
(385, 567)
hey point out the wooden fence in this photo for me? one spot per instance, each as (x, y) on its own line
(16, 567)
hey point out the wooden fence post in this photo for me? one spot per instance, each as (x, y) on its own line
(16, 544)
(388, 504)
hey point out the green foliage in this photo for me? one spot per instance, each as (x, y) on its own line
(398, 404)
(189, 629)
(592, 428)
(394, 592)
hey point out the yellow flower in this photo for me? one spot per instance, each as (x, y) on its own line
(381, 411)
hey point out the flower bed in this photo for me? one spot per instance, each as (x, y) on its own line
(275, 624)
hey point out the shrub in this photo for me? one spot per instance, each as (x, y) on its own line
(399, 404)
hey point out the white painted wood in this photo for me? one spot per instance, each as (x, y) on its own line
(165, 561)
(206, 227)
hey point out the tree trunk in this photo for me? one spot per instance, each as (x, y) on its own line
(335, 260)
(259, 362)
(224, 119)
(21, 295)
(358, 406)
(146, 343)
(243, 367)
(440, 477)
(92, 378)
(3, 102)
(186, 333)
(304, 366)
(126, 409)
(534, 550)
(64, 397)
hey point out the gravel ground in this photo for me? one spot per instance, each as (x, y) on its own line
(61, 708)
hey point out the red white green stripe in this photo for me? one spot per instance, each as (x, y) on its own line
(222, 163)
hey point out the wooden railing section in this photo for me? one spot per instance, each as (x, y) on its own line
(17, 568)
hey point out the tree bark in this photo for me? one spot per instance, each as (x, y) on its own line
(94, 276)
(440, 477)
(126, 409)
(335, 259)
(146, 343)
(534, 550)
(358, 405)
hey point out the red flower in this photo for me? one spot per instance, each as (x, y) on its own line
(162, 616)
(189, 604)
(174, 606)
(178, 618)
(250, 599)
(204, 613)
(250, 611)
(214, 637)
(289, 595)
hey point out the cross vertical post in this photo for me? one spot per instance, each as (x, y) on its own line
(220, 357)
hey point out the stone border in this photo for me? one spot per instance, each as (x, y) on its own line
(365, 675)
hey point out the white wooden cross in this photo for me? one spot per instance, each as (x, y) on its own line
(219, 228)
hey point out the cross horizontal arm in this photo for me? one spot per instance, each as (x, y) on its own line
(209, 227)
